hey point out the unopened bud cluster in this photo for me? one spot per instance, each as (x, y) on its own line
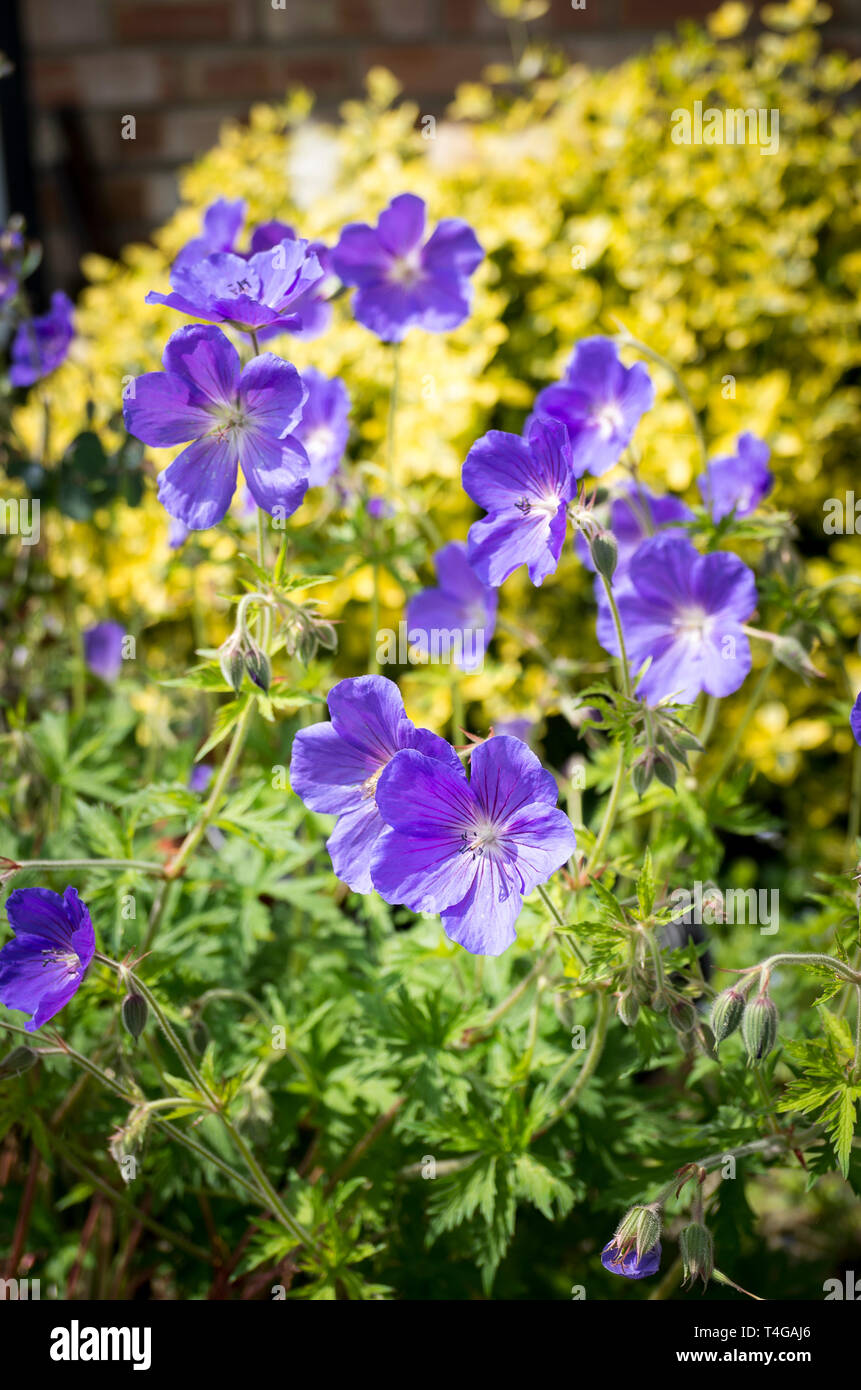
(757, 1018)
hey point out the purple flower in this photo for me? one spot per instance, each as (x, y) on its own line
(379, 508)
(470, 850)
(685, 611)
(524, 485)
(232, 417)
(312, 305)
(600, 401)
(249, 292)
(855, 720)
(41, 343)
(325, 424)
(54, 943)
(103, 649)
(222, 223)
(335, 767)
(518, 727)
(455, 621)
(634, 515)
(200, 777)
(404, 282)
(177, 533)
(738, 482)
(631, 1265)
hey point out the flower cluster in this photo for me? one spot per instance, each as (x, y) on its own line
(286, 433)
(415, 827)
(682, 614)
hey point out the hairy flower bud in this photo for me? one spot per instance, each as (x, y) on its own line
(16, 1062)
(628, 1008)
(135, 1012)
(258, 667)
(759, 1027)
(697, 1249)
(639, 1229)
(682, 1015)
(230, 659)
(726, 1015)
(605, 553)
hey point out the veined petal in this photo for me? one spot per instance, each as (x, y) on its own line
(276, 470)
(198, 485)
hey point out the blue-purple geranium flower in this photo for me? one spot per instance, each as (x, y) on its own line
(687, 612)
(200, 777)
(456, 620)
(325, 425)
(231, 417)
(628, 1263)
(600, 401)
(222, 223)
(41, 343)
(525, 486)
(470, 849)
(103, 649)
(54, 943)
(335, 767)
(403, 281)
(737, 482)
(251, 292)
(855, 720)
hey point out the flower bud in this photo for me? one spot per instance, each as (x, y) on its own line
(230, 659)
(697, 1249)
(258, 666)
(643, 771)
(726, 1015)
(639, 1229)
(628, 1008)
(16, 1062)
(682, 1015)
(135, 1012)
(605, 553)
(759, 1027)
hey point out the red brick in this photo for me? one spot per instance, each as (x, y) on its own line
(432, 69)
(302, 19)
(172, 23)
(325, 72)
(386, 20)
(120, 78)
(64, 23)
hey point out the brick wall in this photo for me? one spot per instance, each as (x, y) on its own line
(182, 66)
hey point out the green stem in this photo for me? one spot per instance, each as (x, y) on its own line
(392, 420)
(63, 1049)
(175, 866)
(289, 1221)
(741, 728)
(559, 920)
(142, 866)
(620, 638)
(609, 812)
(590, 1062)
(627, 340)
